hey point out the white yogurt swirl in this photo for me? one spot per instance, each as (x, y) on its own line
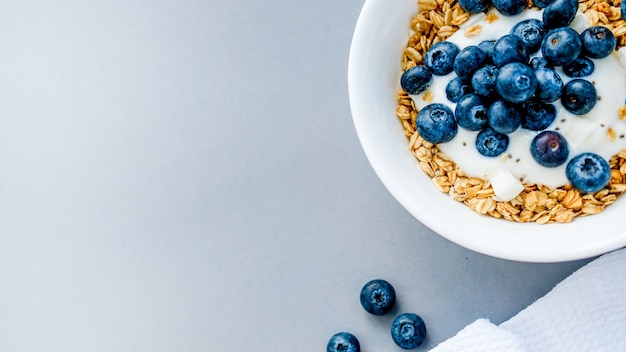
(600, 131)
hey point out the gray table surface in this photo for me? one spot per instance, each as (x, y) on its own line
(185, 176)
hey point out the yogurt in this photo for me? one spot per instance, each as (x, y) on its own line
(601, 131)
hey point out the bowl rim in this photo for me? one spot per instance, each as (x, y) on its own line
(525, 242)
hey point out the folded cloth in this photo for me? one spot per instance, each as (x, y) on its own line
(585, 312)
(480, 336)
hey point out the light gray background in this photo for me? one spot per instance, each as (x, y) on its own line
(184, 175)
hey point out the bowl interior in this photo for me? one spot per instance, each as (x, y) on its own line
(373, 78)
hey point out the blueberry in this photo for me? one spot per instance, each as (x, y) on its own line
(504, 117)
(436, 124)
(581, 67)
(509, 48)
(598, 42)
(539, 62)
(416, 79)
(457, 88)
(484, 80)
(408, 331)
(542, 4)
(549, 148)
(549, 85)
(588, 172)
(491, 143)
(509, 7)
(440, 58)
(474, 6)
(516, 82)
(378, 297)
(559, 13)
(561, 46)
(579, 96)
(530, 32)
(623, 10)
(343, 342)
(538, 116)
(471, 113)
(469, 59)
(487, 47)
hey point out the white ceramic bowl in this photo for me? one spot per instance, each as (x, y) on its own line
(373, 77)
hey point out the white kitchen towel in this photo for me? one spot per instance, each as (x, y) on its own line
(482, 335)
(585, 312)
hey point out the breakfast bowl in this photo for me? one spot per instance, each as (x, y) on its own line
(374, 72)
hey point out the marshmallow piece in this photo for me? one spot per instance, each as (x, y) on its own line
(505, 185)
(578, 132)
(580, 22)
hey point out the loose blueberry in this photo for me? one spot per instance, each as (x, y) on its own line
(530, 32)
(509, 7)
(474, 6)
(408, 331)
(539, 62)
(623, 10)
(491, 143)
(484, 80)
(378, 297)
(487, 47)
(559, 13)
(538, 116)
(588, 172)
(549, 148)
(504, 117)
(416, 79)
(469, 59)
(509, 48)
(581, 67)
(542, 4)
(549, 85)
(471, 113)
(457, 88)
(436, 124)
(598, 42)
(343, 342)
(579, 96)
(440, 58)
(516, 82)
(561, 46)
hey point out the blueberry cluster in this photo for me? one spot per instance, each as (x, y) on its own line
(378, 297)
(508, 83)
